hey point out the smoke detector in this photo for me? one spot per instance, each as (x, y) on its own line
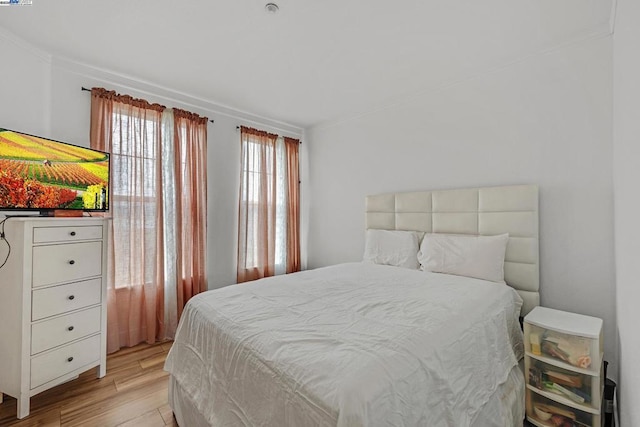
(271, 8)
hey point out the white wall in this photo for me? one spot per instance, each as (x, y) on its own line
(24, 86)
(626, 161)
(52, 104)
(545, 120)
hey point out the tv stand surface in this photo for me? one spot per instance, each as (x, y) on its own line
(51, 213)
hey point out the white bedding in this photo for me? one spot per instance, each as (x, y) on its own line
(349, 345)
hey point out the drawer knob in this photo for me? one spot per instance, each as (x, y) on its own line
(72, 262)
(71, 297)
(70, 328)
(73, 233)
(70, 359)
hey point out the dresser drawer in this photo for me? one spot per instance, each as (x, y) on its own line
(66, 234)
(61, 299)
(64, 263)
(61, 330)
(56, 363)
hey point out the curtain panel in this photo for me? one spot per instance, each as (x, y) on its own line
(149, 266)
(190, 148)
(292, 146)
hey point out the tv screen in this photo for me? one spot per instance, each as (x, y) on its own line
(41, 174)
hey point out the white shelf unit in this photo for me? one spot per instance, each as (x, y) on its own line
(563, 367)
(53, 293)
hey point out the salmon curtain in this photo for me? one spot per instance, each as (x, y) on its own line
(149, 263)
(190, 146)
(291, 146)
(257, 213)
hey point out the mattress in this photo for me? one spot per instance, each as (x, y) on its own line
(505, 408)
(350, 345)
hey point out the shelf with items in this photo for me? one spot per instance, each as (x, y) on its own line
(581, 350)
(563, 367)
(543, 412)
(561, 364)
(566, 385)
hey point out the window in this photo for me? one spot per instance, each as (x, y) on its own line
(265, 229)
(257, 169)
(134, 190)
(134, 193)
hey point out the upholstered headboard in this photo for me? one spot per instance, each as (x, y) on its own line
(476, 211)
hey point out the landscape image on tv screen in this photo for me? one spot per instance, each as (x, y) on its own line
(39, 173)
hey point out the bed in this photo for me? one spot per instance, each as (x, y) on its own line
(364, 344)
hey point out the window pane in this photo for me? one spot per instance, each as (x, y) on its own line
(258, 179)
(133, 204)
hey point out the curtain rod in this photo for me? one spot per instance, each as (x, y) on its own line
(238, 128)
(89, 90)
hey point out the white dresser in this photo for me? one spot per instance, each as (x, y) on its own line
(52, 304)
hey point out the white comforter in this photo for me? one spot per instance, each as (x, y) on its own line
(349, 345)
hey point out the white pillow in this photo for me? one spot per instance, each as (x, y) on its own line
(481, 257)
(398, 248)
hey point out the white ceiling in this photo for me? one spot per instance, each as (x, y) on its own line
(314, 61)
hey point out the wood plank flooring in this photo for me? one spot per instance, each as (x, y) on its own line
(133, 393)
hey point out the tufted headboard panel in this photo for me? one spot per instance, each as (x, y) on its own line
(477, 211)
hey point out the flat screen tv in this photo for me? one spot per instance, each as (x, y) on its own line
(42, 174)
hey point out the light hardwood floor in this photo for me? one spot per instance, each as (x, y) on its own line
(133, 393)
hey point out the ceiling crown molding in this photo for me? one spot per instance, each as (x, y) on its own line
(612, 16)
(24, 45)
(145, 87)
